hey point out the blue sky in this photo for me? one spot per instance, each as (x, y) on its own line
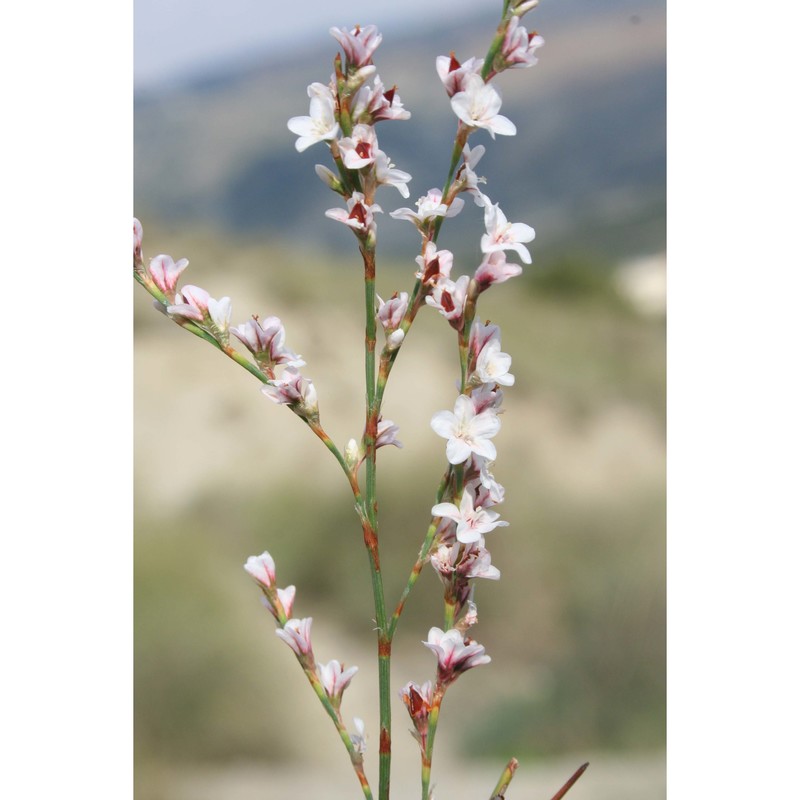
(175, 38)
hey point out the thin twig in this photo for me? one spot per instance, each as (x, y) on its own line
(571, 782)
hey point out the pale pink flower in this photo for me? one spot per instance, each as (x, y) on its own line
(519, 46)
(294, 390)
(358, 44)
(467, 432)
(262, 568)
(196, 304)
(265, 340)
(486, 396)
(453, 74)
(478, 106)
(391, 312)
(454, 653)
(476, 562)
(429, 207)
(335, 679)
(374, 103)
(504, 235)
(297, 634)
(492, 366)
(321, 124)
(358, 215)
(471, 522)
(387, 434)
(434, 264)
(449, 298)
(165, 273)
(495, 269)
(387, 175)
(286, 597)
(480, 335)
(360, 148)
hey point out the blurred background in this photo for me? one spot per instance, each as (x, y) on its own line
(576, 626)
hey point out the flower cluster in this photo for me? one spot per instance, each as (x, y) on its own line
(343, 113)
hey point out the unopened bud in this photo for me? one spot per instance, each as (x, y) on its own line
(352, 454)
(329, 178)
(395, 339)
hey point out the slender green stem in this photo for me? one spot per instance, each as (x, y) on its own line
(505, 779)
(370, 523)
(356, 757)
(427, 756)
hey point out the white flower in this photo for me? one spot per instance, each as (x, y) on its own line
(429, 207)
(372, 104)
(471, 522)
(297, 634)
(387, 175)
(387, 434)
(321, 123)
(478, 104)
(391, 312)
(335, 679)
(137, 238)
(504, 235)
(467, 176)
(492, 366)
(359, 739)
(467, 432)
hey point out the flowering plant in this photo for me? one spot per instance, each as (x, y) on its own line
(343, 114)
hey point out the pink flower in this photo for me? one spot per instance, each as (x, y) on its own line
(449, 298)
(360, 148)
(295, 391)
(434, 264)
(196, 304)
(486, 396)
(372, 104)
(453, 75)
(262, 568)
(359, 44)
(165, 273)
(297, 634)
(495, 491)
(519, 46)
(358, 215)
(265, 340)
(495, 269)
(418, 700)
(391, 312)
(321, 124)
(477, 106)
(504, 235)
(454, 653)
(286, 597)
(466, 431)
(335, 679)
(471, 522)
